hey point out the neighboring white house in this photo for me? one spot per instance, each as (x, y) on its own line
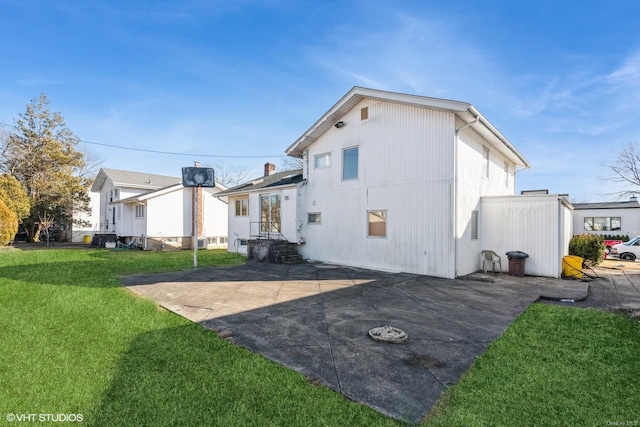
(392, 182)
(79, 232)
(607, 218)
(156, 210)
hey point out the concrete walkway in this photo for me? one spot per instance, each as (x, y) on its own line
(315, 318)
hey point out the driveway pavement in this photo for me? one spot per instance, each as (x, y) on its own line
(315, 318)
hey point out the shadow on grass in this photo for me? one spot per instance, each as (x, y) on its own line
(188, 376)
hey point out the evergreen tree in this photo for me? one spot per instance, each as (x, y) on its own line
(41, 154)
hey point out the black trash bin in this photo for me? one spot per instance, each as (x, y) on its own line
(517, 260)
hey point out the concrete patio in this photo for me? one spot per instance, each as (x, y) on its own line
(315, 318)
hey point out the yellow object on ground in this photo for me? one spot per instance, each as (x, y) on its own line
(87, 238)
(572, 266)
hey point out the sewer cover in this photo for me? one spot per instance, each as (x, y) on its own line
(388, 334)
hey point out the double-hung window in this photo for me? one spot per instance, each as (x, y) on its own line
(139, 211)
(242, 207)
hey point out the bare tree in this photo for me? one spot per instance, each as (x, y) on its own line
(291, 163)
(625, 169)
(230, 175)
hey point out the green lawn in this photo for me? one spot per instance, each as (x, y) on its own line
(75, 342)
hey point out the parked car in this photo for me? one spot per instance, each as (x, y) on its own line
(627, 251)
(608, 244)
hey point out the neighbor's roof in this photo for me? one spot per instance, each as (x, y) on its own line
(465, 111)
(627, 204)
(278, 179)
(141, 180)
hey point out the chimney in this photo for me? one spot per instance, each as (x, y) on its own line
(269, 168)
(633, 198)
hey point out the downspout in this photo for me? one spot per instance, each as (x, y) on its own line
(454, 197)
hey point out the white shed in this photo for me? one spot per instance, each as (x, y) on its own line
(539, 225)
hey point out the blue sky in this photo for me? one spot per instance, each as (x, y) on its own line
(560, 79)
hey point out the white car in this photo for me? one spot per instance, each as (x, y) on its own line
(628, 250)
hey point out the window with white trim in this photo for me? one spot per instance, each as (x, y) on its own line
(350, 163)
(314, 218)
(474, 225)
(377, 223)
(140, 211)
(242, 207)
(322, 160)
(485, 162)
(506, 174)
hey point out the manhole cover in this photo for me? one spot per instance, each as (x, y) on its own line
(388, 334)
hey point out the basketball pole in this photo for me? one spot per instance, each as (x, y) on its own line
(195, 230)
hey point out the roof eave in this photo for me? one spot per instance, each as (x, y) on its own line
(487, 130)
(352, 98)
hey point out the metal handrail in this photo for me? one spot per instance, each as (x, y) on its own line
(269, 235)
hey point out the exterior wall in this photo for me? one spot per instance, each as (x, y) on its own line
(239, 226)
(629, 220)
(215, 218)
(242, 228)
(472, 184)
(405, 167)
(537, 225)
(79, 232)
(167, 215)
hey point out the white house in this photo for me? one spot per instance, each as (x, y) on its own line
(264, 207)
(156, 210)
(390, 182)
(78, 232)
(608, 218)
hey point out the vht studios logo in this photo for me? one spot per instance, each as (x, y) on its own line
(52, 418)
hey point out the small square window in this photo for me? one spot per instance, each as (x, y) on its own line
(364, 113)
(322, 160)
(377, 223)
(314, 218)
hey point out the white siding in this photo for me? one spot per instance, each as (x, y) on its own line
(78, 232)
(472, 184)
(239, 225)
(246, 227)
(405, 168)
(537, 225)
(167, 215)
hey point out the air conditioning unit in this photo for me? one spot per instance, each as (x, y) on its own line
(202, 244)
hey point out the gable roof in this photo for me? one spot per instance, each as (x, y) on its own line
(278, 179)
(465, 111)
(120, 178)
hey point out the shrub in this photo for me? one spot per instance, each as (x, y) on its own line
(587, 246)
(8, 224)
(623, 237)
